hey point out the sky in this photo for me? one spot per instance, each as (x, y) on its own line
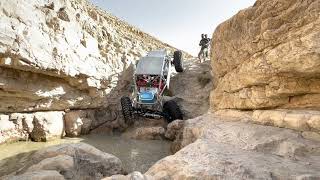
(179, 23)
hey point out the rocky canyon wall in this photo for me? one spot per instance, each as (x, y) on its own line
(268, 57)
(62, 55)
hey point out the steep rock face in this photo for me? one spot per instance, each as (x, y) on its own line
(268, 56)
(191, 88)
(64, 54)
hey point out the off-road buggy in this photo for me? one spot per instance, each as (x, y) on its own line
(151, 79)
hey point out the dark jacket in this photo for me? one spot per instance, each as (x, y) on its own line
(204, 43)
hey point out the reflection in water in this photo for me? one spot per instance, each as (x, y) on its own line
(136, 155)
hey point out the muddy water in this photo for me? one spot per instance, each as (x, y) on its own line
(136, 155)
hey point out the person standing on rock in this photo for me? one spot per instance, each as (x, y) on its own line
(204, 43)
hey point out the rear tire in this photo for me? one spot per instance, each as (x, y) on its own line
(178, 61)
(172, 111)
(127, 110)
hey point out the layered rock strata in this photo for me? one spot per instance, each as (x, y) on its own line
(57, 55)
(268, 56)
(266, 63)
(62, 55)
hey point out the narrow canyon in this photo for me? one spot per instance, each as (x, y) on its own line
(251, 111)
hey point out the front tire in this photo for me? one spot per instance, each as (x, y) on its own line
(172, 111)
(127, 110)
(178, 61)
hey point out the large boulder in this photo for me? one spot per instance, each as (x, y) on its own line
(220, 148)
(191, 89)
(65, 54)
(47, 126)
(145, 133)
(70, 161)
(146, 129)
(37, 175)
(173, 133)
(268, 56)
(78, 122)
(173, 129)
(63, 164)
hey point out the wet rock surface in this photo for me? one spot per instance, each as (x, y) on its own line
(146, 129)
(146, 133)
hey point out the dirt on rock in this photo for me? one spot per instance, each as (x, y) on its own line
(191, 89)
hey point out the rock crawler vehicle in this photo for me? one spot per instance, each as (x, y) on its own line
(151, 79)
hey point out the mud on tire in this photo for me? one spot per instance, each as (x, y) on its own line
(178, 61)
(172, 111)
(127, 110)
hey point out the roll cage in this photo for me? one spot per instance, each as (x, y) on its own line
(152, 74)
(151, 78)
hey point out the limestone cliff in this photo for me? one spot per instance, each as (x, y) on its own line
(268, 56)
(64, 54)
(58, 56)
(266, 61)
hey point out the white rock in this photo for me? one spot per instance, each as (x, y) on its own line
(78, 122)
(8, 130)
(64, 48)
(5, 123)
(47, 125)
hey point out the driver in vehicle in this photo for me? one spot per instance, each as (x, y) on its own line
(152, 77)
(149, 81)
